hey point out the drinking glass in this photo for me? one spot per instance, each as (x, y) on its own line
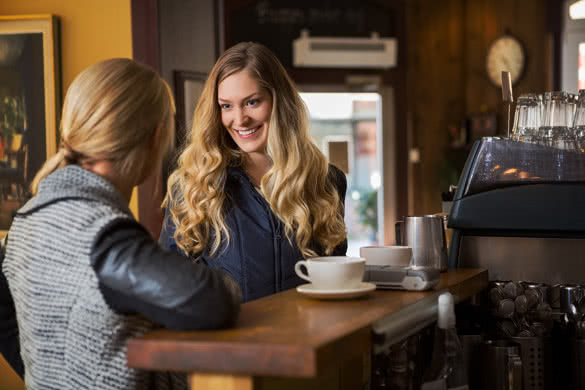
(579, 120)
(571, 107)
(527, 118)
(555, 130)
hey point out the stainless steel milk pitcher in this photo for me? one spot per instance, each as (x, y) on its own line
(426, 236)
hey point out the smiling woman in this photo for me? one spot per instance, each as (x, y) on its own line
(252, 194)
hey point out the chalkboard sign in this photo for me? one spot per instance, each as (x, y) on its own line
(277, 23)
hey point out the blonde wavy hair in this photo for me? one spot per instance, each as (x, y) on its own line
(298, 186)
(111, 112)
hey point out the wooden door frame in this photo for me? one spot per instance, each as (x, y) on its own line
(145, 44)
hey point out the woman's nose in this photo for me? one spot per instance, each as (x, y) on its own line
(241, 117)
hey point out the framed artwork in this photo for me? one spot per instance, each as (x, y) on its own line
(188, 88)
(30, 104)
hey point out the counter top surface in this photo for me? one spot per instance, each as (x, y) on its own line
(288, 334)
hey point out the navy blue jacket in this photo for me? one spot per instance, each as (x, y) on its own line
(259, 256)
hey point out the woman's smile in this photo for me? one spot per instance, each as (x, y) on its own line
(248, 132)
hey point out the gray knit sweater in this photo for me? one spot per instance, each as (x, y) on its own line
(69, 337)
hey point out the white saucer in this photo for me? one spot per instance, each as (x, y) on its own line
(346, 293)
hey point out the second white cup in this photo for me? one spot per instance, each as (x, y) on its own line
(395, 255)
(332, 272)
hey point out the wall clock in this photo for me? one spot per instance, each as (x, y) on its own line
(506, 53)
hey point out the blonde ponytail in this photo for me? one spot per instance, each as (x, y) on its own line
(50, 166)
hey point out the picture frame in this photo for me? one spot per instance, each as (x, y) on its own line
(30, 105)
(188, 88)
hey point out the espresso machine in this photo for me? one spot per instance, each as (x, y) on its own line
(519, 211)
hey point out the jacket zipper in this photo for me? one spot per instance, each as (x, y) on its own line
(276, 238)
(277, 259)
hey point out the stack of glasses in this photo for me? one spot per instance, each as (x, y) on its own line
(555, 119)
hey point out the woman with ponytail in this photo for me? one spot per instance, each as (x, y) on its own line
(252, 194)
(79, 275)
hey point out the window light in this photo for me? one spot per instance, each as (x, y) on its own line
(577, 10)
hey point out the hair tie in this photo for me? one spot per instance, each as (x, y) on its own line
(70, 155)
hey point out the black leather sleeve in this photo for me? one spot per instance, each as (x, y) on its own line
(9, 343)
(137, 276)
(340, 183)
(166, 239)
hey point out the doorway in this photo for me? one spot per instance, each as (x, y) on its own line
(348, 127)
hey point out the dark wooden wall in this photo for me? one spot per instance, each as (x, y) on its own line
(447, 45)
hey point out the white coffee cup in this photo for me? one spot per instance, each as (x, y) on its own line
(394, 255)
(332, 272)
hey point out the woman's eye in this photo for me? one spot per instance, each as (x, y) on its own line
(225, 106)
(253, 102)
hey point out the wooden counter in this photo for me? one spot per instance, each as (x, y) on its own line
(288, 335)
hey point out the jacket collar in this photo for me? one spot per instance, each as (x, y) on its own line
(238, 173)
(74, 182)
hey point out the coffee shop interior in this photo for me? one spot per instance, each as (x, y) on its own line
(401, 123)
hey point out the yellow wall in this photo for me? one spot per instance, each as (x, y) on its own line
(91, 30)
